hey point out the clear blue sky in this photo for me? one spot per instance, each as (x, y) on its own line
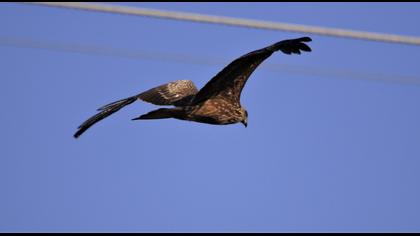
(320, 153)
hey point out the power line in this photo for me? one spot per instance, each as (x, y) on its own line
(202, 60)
(232, 21)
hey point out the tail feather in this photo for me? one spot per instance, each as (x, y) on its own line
(106, 111)
(162, 113)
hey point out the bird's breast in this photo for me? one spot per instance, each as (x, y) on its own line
(216, 111)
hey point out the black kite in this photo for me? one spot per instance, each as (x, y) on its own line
(218, 102)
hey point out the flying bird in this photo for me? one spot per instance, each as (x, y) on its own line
(218, 102)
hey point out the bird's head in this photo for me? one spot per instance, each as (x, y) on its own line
(244, 117)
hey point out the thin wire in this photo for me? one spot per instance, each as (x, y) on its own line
(241, 22)
(203, 60)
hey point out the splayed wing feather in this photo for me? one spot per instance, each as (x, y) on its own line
(106, 111)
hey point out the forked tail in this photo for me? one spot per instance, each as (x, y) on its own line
(106, 111)
(162, 113)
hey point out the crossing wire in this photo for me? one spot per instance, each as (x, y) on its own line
(137, 54)
(241, 22)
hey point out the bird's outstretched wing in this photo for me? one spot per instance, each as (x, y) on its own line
(177, 93)
(233, 77)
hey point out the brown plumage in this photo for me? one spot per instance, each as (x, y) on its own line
(218, 102)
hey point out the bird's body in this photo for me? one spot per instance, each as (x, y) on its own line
(215, 111)
(218, 102)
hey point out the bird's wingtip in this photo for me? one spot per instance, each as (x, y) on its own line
(305, 39)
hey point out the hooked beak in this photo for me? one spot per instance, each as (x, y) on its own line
(245, 122)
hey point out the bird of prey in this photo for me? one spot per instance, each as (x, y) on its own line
(218, 102)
